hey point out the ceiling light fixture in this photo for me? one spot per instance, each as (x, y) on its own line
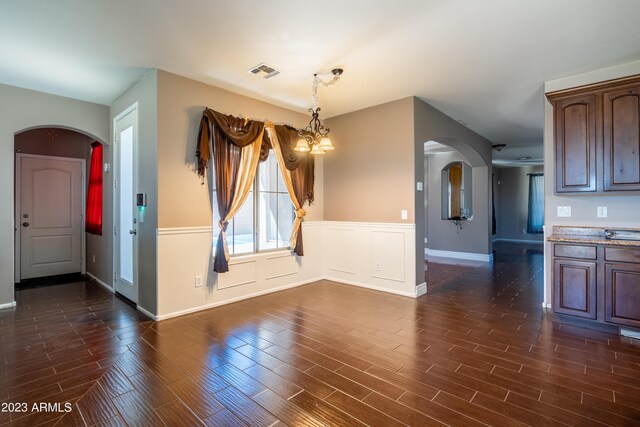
(314, 137)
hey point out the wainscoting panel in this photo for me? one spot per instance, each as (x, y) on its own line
(371, 255)
(281, 265)
(388, 255)
(342, 257)
(241, 272)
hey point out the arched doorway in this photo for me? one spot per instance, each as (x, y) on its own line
(464, 233)
(51, 182)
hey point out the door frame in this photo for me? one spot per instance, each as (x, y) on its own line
(133, 108)
(18, 205)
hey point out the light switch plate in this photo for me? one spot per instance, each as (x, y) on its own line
(564, 211)
(403, 214)
(602, 211)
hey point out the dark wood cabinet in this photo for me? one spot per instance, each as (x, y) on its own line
(622, 294)
(576, 144)
(597, 137)
(575, 287)
(621, 124)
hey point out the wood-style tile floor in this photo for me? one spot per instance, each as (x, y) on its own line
(477, 350)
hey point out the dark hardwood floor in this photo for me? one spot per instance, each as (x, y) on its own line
(477, 350)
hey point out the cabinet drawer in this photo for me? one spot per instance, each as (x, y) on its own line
(574, 251)
(622, 254)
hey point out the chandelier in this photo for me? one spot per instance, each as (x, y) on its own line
(314, 137)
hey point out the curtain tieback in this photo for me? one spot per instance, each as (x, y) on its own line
(300, 213)
(223, 225)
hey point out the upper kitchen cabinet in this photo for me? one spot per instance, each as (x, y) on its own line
(597, 137)
(575, 144)
(621, 135)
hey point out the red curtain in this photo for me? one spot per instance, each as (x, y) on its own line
(94, 194)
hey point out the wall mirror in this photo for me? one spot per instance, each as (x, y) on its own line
(457, 191)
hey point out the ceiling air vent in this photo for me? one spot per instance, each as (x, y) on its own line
(264, 70)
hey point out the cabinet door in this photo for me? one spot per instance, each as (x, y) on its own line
(622, 294)
(575, 127)
(574, 288)
(621, 132)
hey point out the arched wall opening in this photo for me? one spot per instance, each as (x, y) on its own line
(467, 239)
(68, 148)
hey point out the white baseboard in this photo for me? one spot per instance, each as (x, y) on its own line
(372, 287)
(146, 313)
(100, 282)
(546, 305)
(227, 301)
(500, 239)
(8, 305)
(459, 255)
(421, 289)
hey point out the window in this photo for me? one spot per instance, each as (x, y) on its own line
(266, 214)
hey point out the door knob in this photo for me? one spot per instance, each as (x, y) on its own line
(25, 224)
(133, 232)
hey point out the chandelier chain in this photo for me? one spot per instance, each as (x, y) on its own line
(317, 80)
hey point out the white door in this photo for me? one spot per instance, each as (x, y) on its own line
(50, 216)
(125, 182)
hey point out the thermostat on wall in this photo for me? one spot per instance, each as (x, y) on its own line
(141, 199)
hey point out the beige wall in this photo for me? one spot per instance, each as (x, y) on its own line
(512, 205)
(145, 94)
(622, 208)
(369, 177)
(183, 202)
(22, 109)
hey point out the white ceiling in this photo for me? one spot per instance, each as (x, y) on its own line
(480, 61)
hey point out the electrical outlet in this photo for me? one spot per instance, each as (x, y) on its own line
(198, 281)
(419, 186)
(564, 211)
(403, 214)
(602, 211)
(378, 266)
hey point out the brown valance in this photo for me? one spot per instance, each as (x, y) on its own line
(237, 131)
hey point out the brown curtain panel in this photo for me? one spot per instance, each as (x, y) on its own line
(235, 161)
(301, 167)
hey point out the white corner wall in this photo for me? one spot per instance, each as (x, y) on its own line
(370, 255)
(377, 256)
(184, 253)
